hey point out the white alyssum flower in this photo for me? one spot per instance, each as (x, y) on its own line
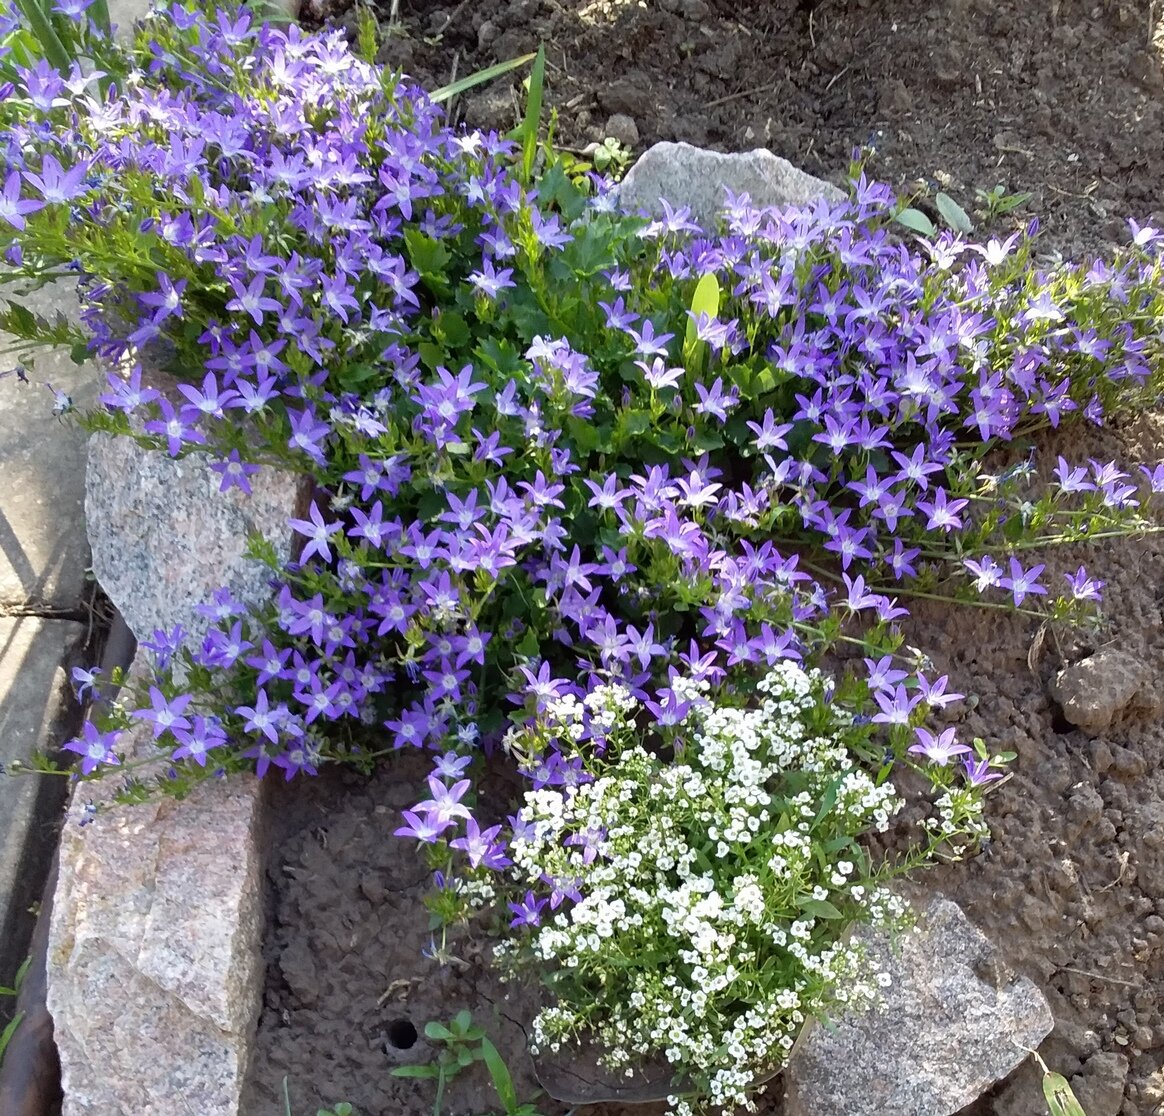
(712, 919)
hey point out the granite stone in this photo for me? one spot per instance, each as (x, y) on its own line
(154, 962)
(681, 174)
(954, 1021)
(163, 543)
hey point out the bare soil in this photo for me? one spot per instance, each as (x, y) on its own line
(1058, 98)
(1063, 99)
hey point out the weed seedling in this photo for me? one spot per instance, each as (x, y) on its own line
(996, 202)
(10, 1030)
(462, 1044)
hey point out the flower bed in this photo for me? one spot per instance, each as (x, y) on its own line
(593, 491)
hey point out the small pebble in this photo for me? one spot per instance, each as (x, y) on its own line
(486, 34)
(623, 128)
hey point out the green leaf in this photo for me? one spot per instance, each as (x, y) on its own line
(430, 258)
(438, 1032)
(556, 189)
(452, 329)
(432, 355)
(8, 1032)
(953, 214)
(427, 1072)
(353, 376)
(586, 436)
(499, 1071)
(705, 300)
(1060, 1099)
(741, 376)
(533, 116)
(707, 440)
(99, 14)
(471, 81)
(632, 424)
(498, 355)
(587, 254)
(916, 220)
(820, 908)
(41, 25)
(529, 645)
(828, 799)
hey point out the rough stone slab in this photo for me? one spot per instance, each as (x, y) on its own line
(36, 708)
(1093, 691)
(163, 543)
(155, 969)
(955, 1020)
(154, 960)
(43, 551)
(681, 174)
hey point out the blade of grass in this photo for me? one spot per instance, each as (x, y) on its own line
(99, 14)
(8, 1032)
(21, 973)
(445, 92)
(42, 27)
(533, 116)
(499, 1071)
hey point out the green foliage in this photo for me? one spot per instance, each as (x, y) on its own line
(953, 214)
(341, 1109)
(10, 1030)
(463, 1044)
(916, 221)
(996, 202)
(447, 92)
(612, 157)
(63, 43)
(1057, 1092)
(527, 133)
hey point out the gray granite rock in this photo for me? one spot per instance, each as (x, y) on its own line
(164, 537)
(43, 552)
(1092, 692)
(955, 1020)
(682, 174)
(154, 960)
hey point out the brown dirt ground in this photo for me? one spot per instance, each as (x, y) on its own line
(1059, 98)
(1071, 886)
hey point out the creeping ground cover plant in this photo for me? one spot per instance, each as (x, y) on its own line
(633, 506)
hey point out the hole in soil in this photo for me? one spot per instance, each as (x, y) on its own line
(1059, 723)
(401, 1034)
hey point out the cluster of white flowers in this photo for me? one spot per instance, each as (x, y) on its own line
(959, 814)
(708, 929)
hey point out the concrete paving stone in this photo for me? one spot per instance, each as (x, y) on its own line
(37, 710)
(43, 550)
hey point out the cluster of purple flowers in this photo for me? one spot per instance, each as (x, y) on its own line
(529, 483)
